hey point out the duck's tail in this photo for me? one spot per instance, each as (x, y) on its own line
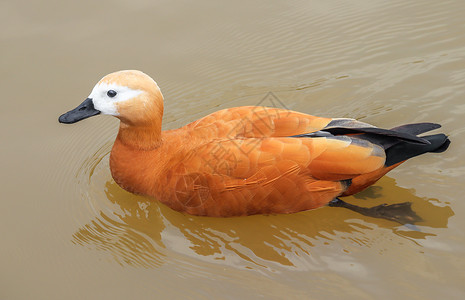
(398, 148)
(403, 150)
(399, 143)
(398, 151)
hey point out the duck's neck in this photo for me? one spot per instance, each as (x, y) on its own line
(140, 137)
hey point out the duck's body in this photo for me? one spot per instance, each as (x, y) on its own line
(244, 160)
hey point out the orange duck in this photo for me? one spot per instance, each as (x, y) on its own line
(247, 160)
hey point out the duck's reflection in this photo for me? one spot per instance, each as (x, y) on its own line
(141, 232)
(130, 230)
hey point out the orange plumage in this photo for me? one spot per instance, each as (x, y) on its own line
(239, 161)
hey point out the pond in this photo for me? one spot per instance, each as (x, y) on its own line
(70, 232)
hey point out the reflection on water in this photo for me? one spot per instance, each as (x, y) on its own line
(139, 231)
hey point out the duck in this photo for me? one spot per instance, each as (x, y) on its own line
(246, 160)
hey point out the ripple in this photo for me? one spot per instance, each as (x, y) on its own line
(313, 58)
(139, 231)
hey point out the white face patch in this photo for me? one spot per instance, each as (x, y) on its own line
(106, 104)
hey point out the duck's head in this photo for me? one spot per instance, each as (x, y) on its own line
(131, 96)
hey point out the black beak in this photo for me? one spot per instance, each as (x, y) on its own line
(84, 110)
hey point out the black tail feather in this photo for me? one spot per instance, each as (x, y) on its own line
(378, 132)
(403, 150)
(443, 147)
(416, 128)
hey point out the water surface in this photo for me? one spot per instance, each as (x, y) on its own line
(68, 231)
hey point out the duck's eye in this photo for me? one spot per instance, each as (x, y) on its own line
(111, 93)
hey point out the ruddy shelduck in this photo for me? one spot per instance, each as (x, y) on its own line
(245, 160)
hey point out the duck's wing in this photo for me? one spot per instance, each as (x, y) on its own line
(325, 158)
(258, 122)
(282, 174)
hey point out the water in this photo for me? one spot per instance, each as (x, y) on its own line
(68, 231)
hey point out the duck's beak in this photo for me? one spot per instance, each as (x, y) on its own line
(84, 110)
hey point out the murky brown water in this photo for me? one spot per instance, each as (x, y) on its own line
(69, 232)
